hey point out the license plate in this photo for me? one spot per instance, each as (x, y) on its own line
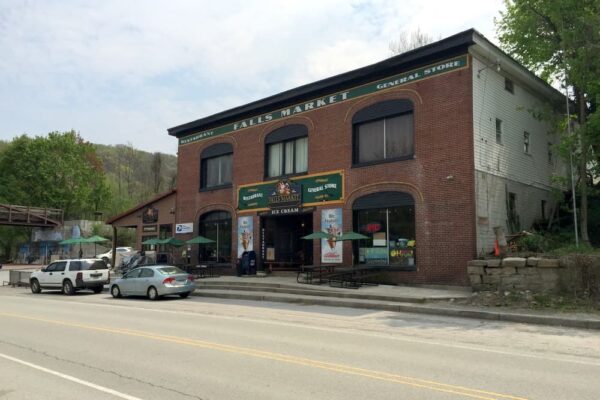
(95, 275)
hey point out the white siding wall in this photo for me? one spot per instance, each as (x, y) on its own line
(505, 167)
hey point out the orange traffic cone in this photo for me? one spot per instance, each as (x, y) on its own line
(496, 248)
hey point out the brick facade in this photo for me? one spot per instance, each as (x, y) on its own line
(440, 177)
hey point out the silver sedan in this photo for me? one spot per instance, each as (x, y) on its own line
(154, 281)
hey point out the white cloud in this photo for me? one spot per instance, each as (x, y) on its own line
(126, 71)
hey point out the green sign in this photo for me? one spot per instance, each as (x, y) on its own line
(378, 86)
(316, 189)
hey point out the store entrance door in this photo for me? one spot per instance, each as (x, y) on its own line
(284, 248)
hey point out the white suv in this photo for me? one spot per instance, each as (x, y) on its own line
(71, 275)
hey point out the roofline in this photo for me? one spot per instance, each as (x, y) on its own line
(141, 205)
(444, 48)
(512, 66)
(453, 45)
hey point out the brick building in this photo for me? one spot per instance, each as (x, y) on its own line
(423, 153)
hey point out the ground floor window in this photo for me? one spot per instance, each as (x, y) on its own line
(388, 219)
(216, 225)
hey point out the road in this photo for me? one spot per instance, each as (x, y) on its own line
(92, 346)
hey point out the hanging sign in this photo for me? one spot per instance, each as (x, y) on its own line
(184, 228)
(331, 248)
(306, 191)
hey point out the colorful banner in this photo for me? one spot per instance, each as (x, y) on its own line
(334, 98)
(331, 223)
(245, 233)
(317, 189)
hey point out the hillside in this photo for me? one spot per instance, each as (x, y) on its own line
(134, 175)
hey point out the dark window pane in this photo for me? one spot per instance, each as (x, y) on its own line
(399, 136)
(218, 170)
(370, 141)
(226, 168)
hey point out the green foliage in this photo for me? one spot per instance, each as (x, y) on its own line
(559, 39)
(134, 176)
(57, 171)
(534, 242)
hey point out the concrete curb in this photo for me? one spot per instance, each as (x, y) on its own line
(547, 320)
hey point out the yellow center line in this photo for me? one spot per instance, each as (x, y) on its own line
(334, 367)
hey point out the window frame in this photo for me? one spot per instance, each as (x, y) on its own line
(218, 150)
(381, 111)
(499, 132)
(284, 135)
(509, 85)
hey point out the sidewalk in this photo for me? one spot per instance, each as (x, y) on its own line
(424, 300)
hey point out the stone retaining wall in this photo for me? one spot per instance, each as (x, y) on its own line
(515, 273)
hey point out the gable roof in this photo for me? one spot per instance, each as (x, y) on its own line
(140, 206)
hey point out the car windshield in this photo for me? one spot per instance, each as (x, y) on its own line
(170, 271)
(91, 265)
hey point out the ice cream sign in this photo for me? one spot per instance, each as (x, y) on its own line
(331, 248)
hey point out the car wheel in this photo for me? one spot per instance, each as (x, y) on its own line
(35, 286)
(115, 291)
(184, 295)
(97, 289)
(68, 288)
(152, 293)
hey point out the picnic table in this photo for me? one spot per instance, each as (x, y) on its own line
(308, 273)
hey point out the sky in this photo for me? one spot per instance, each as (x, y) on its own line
(123, 72)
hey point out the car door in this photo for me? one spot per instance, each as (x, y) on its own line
(145, 280)
(53, 275)
(129, 282)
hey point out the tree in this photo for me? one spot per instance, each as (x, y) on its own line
(57, 171)
(410, 41)
(560, 40)
(156, 166)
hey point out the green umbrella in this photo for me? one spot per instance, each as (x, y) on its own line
(316, 235)
(200, 240)
(172, 242)
(352, 236)
(77, 240)
(96, 239)
(151, 241)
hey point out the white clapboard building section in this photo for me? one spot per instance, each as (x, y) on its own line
(513, 139)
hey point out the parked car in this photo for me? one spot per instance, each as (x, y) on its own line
(154, 281)
(71, 275)
(123, 251)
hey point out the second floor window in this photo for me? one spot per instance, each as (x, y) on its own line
(216, 166)
(287, 151)
(384, 132)
(526, 142)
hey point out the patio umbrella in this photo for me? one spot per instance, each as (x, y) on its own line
(352, 236)
(96, 239)
(200, 240)
(152, 241)
(316, 235)
(172, 242)
(77, 240)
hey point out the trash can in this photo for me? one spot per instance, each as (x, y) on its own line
(252, 263)
(246, 263)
